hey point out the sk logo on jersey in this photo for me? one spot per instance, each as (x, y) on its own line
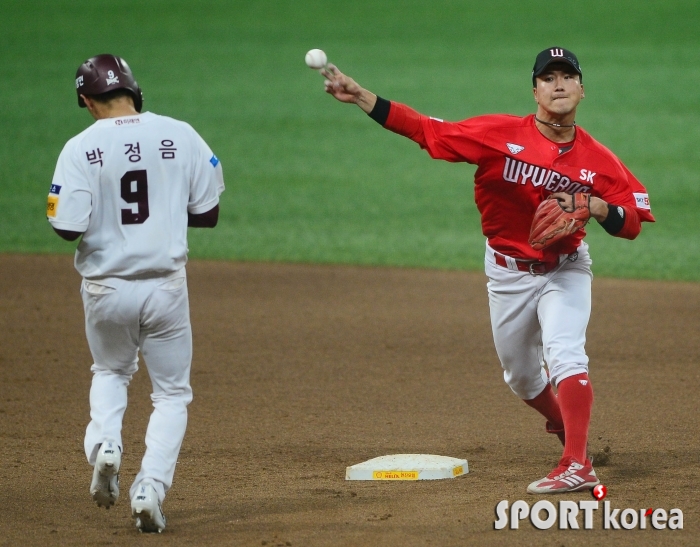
(587, 175)
(515, 148)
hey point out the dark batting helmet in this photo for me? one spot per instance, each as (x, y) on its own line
(104, 73)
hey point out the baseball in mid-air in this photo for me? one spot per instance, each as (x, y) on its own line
(316, 58)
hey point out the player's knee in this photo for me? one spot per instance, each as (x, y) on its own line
(525, 385)
(173, 395)
(564, 371)
(126, 371)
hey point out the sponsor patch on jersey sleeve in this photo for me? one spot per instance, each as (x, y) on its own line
(642, 201)
(51, 205)
(214, 160)
(55, 189)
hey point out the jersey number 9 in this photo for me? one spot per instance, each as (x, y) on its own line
(135, 190)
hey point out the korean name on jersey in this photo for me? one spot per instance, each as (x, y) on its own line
(128, 184)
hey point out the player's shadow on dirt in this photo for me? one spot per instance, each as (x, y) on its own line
(637, 465)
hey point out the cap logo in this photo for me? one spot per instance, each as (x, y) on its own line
(111, 78)
(78, 82)
(556, 52)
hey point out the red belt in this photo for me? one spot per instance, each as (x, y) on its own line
(530, 266)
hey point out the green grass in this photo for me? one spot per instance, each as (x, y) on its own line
(311, 180)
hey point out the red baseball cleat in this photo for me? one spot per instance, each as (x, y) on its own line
(567, 477)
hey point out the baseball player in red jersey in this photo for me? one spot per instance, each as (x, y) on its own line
(540, 300)
(129, 186)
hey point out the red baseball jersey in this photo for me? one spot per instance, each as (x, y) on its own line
(518, 168)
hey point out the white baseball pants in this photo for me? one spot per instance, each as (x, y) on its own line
(121, 317)
(538, 319)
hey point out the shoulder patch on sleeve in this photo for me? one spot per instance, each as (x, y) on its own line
(642, 201)
(51, 205)
(55, 189)
(215, 161)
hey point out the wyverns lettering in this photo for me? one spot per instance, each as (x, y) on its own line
(519, 172)
(527, 172)
(511, 171)
(541, 176)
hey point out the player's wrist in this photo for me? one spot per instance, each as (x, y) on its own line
(380, 111)
(599, 209)
(614, 220)
(365, 100)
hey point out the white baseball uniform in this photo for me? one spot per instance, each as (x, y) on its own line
(128, 184)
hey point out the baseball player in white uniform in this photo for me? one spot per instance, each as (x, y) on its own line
(130, 185)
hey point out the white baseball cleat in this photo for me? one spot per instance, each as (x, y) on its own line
(146, 509)
(104, 488)
(573, 477)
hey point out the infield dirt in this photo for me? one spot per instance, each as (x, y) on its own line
(300, 371)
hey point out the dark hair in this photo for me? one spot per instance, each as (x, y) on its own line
(111, 95)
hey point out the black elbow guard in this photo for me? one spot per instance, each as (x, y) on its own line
(380, 112)
(615, 219)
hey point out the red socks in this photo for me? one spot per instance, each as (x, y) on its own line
(546, 404)
(575, 401)
(570, 411)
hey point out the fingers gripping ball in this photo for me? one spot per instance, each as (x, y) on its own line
(552, 222)
(316, 58)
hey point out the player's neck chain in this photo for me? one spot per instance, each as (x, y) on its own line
(555, 124)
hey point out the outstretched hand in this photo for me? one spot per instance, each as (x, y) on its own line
(342, 87)
(347, 90)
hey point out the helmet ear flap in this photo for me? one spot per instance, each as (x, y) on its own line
(138, 98)
(104, 73)
(133, 85)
